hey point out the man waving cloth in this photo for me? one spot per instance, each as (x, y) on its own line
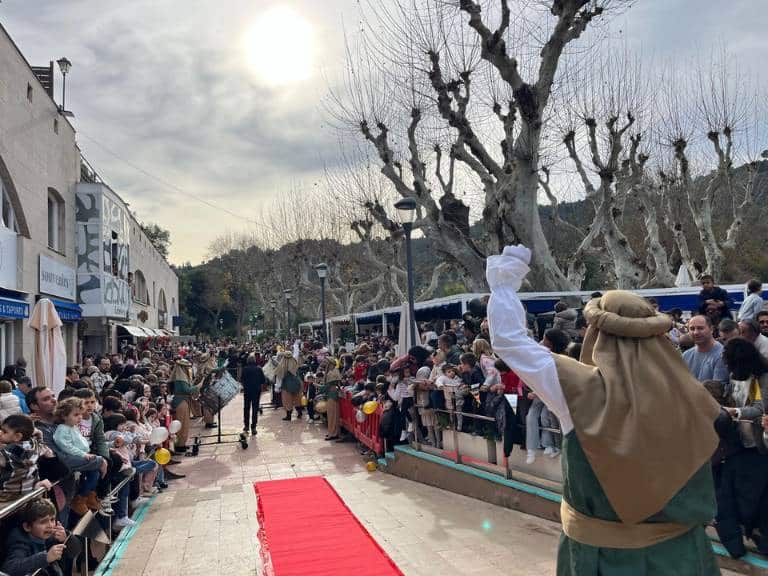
(637, 433)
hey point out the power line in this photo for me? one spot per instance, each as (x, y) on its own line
(173, 186)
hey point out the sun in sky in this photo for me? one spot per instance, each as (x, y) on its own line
(279, 46)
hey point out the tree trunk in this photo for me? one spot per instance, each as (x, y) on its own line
(663, 275)
(519, 213)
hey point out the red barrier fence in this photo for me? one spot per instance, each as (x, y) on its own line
(366, 432)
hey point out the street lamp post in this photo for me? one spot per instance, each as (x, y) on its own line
(64, 65)
(322, 273)
(288, 294)
(273, 305)
(406, 211)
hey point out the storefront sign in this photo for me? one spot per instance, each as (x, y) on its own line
(13, 308)
(57, 279)
(8, 245)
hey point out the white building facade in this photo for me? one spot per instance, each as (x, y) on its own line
(39, 170)
(126, 289)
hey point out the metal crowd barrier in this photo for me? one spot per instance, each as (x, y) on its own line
(455, 453)
(17, 505)
(366, 432)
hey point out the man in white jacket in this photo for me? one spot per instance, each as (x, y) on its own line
(753, 303)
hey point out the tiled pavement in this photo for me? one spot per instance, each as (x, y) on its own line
(206, 524)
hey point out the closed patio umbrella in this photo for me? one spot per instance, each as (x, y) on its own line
(50, 362)
(404, 336)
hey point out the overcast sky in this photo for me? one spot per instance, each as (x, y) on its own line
(194, 91)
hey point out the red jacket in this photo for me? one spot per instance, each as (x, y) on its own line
(512, 383)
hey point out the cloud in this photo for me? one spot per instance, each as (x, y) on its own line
(166, 87)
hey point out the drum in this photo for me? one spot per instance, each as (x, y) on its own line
(222, 390)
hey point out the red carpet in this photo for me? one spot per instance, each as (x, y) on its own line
(307, 530)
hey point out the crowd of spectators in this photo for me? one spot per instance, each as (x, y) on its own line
(98, 431)
(90, 450)
(453, 376)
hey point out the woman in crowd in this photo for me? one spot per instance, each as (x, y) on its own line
(741, 469)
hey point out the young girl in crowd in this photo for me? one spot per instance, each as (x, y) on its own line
(69, 440)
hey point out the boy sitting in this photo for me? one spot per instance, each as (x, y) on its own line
(20, 450)
(38, 544)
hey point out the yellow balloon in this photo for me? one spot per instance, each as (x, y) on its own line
(304, 401)
(162, 456)
(370, 407)
(371, 466)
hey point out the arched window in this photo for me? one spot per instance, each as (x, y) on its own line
(11, 212)
(55, 221)
(162, 309)
(139, 287)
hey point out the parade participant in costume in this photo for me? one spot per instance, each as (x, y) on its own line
(181, 382)
(637, 429)
(204, 367)
(330, 383)
(290, 384)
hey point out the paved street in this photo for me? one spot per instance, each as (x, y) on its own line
(207, 523)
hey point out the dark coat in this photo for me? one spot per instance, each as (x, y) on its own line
(253, 380)
(24, 555)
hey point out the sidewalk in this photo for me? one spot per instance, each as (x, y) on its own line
(206, 524)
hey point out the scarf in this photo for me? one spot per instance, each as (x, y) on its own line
(644, 422)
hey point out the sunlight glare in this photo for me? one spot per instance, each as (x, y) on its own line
(279, 46)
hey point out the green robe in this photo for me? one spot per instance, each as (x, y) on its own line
(687, 555)
(182, 392)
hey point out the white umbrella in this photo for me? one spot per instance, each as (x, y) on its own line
(683, 279)
(50, 362)
(404, 337)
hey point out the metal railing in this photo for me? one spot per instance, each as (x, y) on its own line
(17, 505)
(455, 454)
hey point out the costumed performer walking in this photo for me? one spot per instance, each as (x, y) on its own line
(290, 384)
(181, 384)
(638, 433)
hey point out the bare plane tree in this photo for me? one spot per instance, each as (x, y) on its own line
(432, 114)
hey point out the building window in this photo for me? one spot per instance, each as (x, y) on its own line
(140, 287)
(55, 125)
(8, 215)
(114, 249)
(55, 221)
(29, 92)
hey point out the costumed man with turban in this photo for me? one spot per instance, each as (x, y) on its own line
(290, 384)
(181, 384)
(638, 433)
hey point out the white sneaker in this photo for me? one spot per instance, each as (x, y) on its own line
(154, 490)
(555, 453)
(123, 522)
(531, 457)
(139, 501)
(549, 450)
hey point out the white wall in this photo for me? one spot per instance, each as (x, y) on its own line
(36, 159)
(158, 275)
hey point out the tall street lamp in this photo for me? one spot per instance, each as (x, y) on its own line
(406, 212)
(288, 294)
(64, 65)
(273, 305)
(322, 273)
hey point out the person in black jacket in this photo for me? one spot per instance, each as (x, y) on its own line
(253, 379)
(713, 300)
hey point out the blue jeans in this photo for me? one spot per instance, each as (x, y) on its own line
(535, 437)
(121, 506)
(143, 466)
